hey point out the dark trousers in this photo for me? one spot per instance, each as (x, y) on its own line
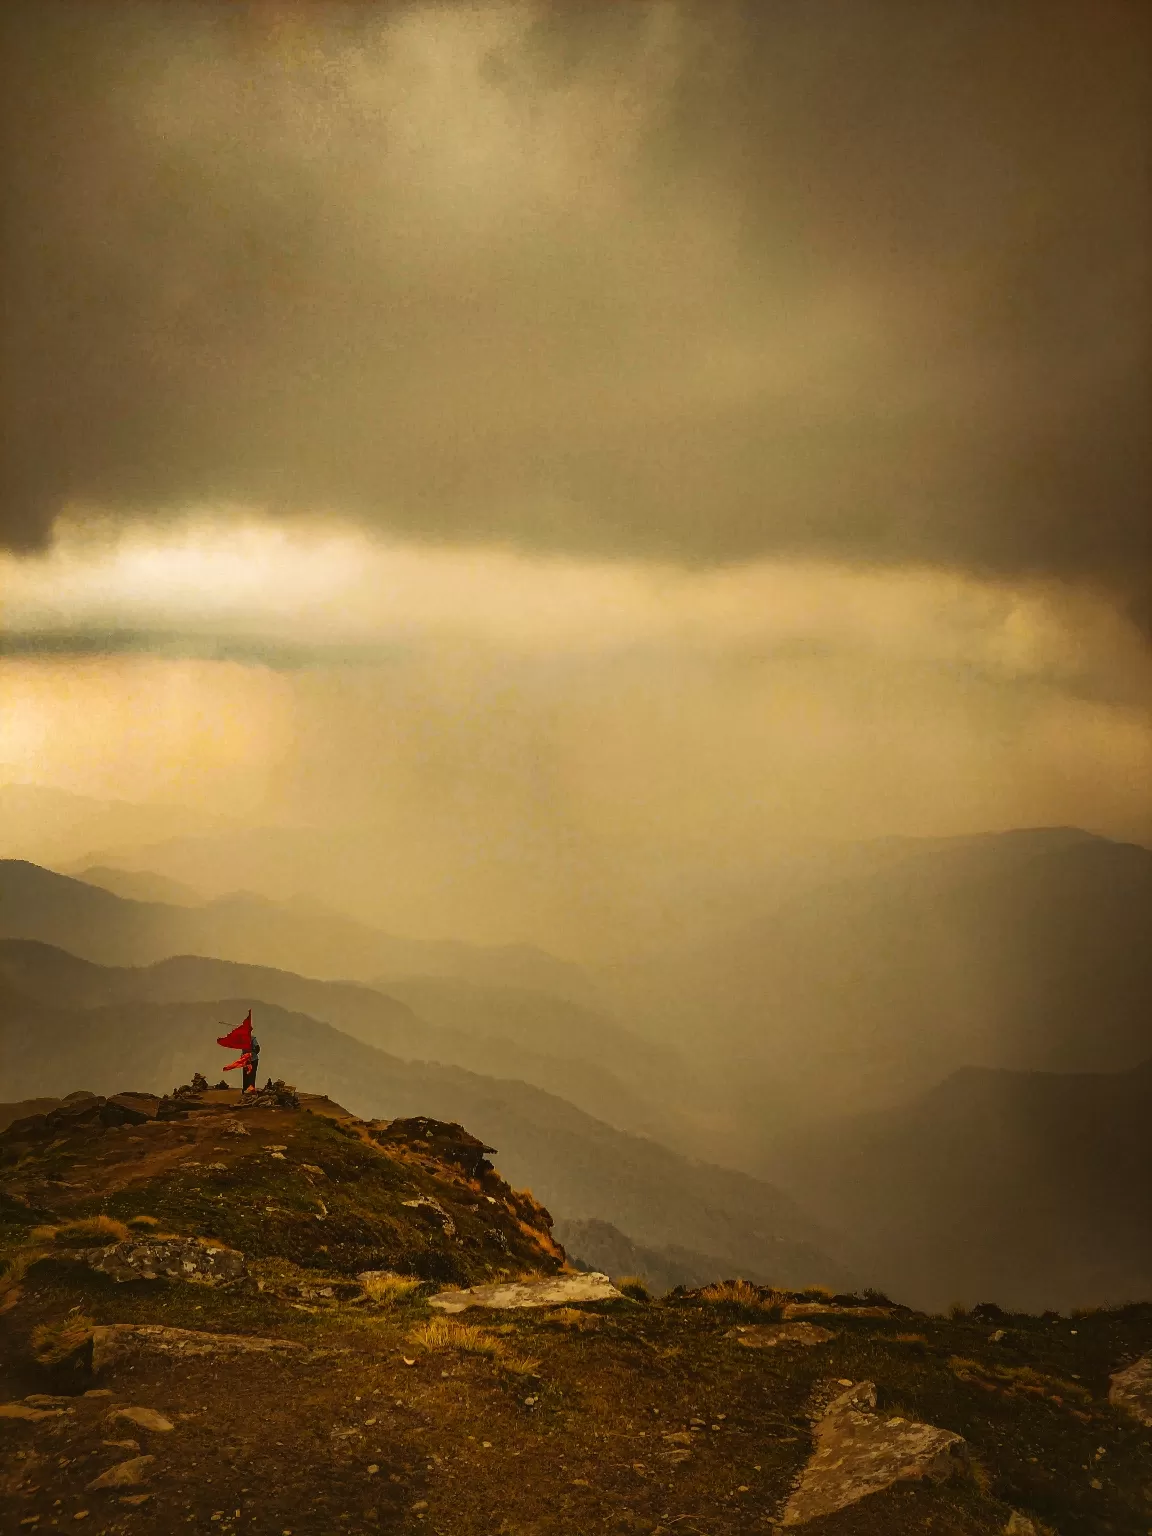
(250, 1075)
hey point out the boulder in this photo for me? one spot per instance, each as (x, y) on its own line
(560, 1291)
(168, 1258)
(1131, 1390)
(860, 1452)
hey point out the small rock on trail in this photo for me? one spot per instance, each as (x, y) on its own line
(26, 1411)
(145, 1418)
(125, 1474)
(561, 1290)
(859, 1452)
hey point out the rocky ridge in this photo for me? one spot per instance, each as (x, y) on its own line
(269, 1315)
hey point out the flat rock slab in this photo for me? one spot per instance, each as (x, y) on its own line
(125, 1474)
(770, 1335)
(792, 1309)
(859, 1452)
(1131, 1390)
(27, 1412)
(560, 1291)
(165, 1258)
(145, 1418)
(119, 1339)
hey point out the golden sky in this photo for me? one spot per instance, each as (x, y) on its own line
(561, 451)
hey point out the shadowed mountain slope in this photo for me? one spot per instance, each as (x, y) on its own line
(1030, 1189)
(891, 965)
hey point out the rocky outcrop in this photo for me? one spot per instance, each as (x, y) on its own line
(1131, 1390)
(561, 1291)
(168, 1258)
(860, 1452)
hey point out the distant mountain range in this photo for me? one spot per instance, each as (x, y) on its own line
(887, 966)
(578, 1166)
(305, 936)
(1031, 1189)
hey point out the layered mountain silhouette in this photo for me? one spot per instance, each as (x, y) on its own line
(567, 1060)
(890, 965)
(577, 1165)
(302, 935)
(1031, 1189)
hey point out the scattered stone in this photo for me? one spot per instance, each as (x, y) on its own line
(100, 1392)
(125, 1474)
(118, 1339)
(46, 1400)
(135, 1498)
(121, 1445)
(145, 1418)
(561, 1290)
(769, 1335)
(169, 1258)
(859, 1452)
(233, 1128)
(1131, 1390)
(25, 1411)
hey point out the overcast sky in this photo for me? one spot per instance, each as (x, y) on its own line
(582, 442)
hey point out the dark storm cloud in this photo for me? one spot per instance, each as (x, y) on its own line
(698, 282)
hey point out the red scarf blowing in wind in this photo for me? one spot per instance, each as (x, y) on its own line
(242, 1038)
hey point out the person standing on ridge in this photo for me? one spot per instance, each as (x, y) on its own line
(249, 1061)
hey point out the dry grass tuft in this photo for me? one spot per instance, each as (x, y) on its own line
(387, 1289)
(471, 1339)
(16, 1267)
(89, 1232)
(571, 1317)
(54, 1342)
(634, 1286)
(732, 1293)
(447, 1333)
(143, 1223)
